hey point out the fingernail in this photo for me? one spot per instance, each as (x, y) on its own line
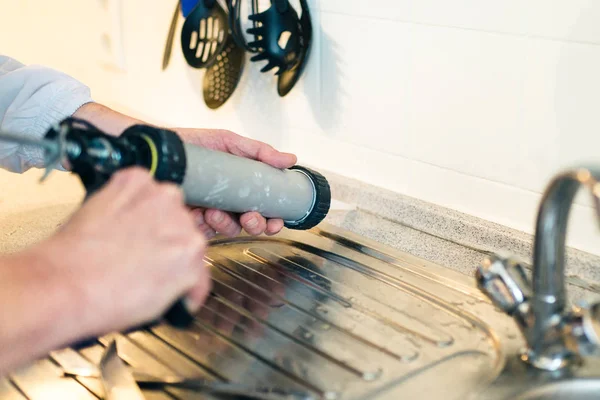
(200, 218)
(217, 217)
(252, 222)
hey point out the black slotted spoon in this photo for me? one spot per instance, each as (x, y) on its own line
(222, 77)
(204, 33)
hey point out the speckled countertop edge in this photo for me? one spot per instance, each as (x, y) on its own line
(446, 237)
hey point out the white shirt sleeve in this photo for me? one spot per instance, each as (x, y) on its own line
(32, 99)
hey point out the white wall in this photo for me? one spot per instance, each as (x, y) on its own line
(472, 105)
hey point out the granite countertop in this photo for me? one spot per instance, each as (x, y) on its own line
(446, 237)
(30, 211)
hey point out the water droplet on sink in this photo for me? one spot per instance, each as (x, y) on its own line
(511, 336)
(325, 327)
(307, 335)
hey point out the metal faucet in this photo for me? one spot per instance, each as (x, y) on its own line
(555, 335)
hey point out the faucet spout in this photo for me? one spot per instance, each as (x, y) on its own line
(549, 289)
(550, 330)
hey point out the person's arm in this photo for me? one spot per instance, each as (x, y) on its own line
(38, 311)
(116, 264)
(32, 99)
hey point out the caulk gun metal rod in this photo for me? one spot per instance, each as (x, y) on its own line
(10, 137)
(219, 180)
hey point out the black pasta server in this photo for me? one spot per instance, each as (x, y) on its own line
(281, 37)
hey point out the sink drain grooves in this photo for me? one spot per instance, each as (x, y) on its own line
(136, 356)
(54, 385)
(432, 335)
(368, 375)
(398, 263)
(384, 350)
(363, 374)
(165, 353)
(298, 277)
(384, 278)
(266, 361)
(380, 276)
(10, 391)
(185, 342)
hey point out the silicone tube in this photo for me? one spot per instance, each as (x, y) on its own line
(214, 179)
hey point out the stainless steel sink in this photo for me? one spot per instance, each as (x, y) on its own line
(519, 381)
(333, 314)
(583, 389)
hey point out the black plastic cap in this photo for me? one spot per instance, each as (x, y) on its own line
(171, 157)
(322, 201)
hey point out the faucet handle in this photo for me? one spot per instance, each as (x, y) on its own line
(504, 281)
(582, 330)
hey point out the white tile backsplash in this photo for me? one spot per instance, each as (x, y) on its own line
(472, 105)
(573, 20)
(458, 99)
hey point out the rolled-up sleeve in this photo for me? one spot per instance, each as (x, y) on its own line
(32, 99)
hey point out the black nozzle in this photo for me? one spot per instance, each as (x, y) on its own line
(321, 204)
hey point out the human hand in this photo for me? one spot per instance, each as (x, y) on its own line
(130, 252)
(211, 221)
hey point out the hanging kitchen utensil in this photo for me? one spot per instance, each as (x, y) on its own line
(222, 77)
(282, 38)
(187, 6)
(288, 77)
(235, 22)
(204, 33)
(170, 37)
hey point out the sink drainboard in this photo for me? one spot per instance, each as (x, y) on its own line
(324, 311)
